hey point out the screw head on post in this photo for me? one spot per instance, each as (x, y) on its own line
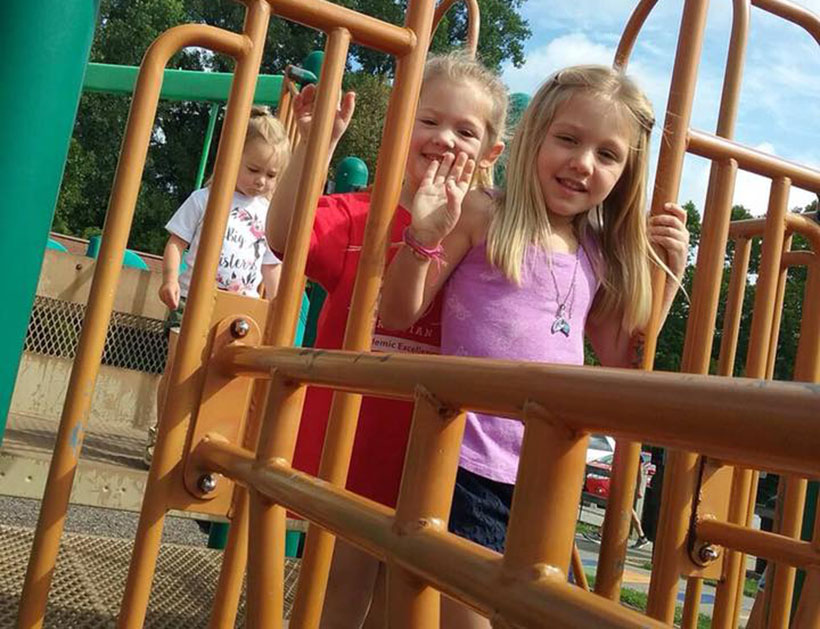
(240, 328)
(708, 553)
(206, 483)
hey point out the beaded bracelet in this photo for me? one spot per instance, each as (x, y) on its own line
(420, 251)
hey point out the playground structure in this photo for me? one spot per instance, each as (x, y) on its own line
(733, 425)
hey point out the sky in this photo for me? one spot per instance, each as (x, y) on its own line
(779, 109)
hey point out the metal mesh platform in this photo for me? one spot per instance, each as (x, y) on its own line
(90, 579)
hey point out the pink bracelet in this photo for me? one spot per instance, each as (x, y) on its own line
(431, 253)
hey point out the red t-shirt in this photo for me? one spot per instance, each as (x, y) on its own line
(383, 428)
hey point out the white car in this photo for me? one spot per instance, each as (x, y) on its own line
(599, 447)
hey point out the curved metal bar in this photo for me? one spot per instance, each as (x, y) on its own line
(713, 147)
(364, 29)
(631, 30)
(473, 21)
(101, 302)
(794, 13)
(804, 224)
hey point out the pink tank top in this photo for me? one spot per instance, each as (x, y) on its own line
(486, 315)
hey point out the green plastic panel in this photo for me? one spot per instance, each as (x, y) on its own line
(179, 84)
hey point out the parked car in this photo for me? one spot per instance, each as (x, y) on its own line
(599, 447)
(596, 482)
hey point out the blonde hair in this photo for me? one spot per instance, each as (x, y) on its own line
(617, 226)
(264, 127)
(459, 66)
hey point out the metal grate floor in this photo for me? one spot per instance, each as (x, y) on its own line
(90, 578)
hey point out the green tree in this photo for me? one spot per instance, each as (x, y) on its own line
(127, 28)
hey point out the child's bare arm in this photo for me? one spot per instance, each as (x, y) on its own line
(412, 281)
(612, 345)
(270, 279)
(171, 259)
(283, 202)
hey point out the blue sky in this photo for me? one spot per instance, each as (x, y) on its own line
(780, 98)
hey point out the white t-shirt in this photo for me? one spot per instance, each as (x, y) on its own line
(244, 249)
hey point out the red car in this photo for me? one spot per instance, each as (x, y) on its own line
(596, 483)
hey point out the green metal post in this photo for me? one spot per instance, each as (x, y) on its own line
(206, 145)
(44, 48)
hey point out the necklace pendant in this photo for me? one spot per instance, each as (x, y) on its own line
(560, 324)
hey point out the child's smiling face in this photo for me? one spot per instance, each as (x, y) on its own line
(582, 156)
(451, 118)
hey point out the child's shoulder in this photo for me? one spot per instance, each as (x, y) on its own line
(477, 210)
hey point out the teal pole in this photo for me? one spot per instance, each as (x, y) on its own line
(44, 48)
(206, 145)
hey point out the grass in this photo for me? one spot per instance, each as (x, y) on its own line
(637, 600)
(583, 527)
(750, 586)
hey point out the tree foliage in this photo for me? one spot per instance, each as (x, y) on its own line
(126, 29)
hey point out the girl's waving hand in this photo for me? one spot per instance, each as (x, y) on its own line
(437, 203)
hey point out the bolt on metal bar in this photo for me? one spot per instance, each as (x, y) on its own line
(100, 304)
(772, 546)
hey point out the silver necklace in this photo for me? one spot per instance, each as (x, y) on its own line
(563, 310)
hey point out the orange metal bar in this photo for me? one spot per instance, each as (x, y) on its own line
(363, 29)
(631, 30)
(100, 304)
(744, 481)
(424, 501)
(455, 566)
(713, 147)
(550, 450)
(804, 224)
(578, 572)
(777, 314)
(782, 583)
(807, 615)
(759, 543)
(186, 375)
(473, 21)
(691, 603)
(672, 525)
(704, 305)
(734, 307)
(343, 418)
(794, 13)
(734, 413)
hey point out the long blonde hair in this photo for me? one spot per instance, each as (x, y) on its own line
(617, 226)
(460, 66)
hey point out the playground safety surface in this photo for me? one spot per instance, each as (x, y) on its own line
(90, 578)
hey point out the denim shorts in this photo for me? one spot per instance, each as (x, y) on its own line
(481, 510)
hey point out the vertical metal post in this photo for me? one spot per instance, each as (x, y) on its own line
(743, 482)
(425, 498)
(691, 604)
(100, 304)
(344, 410)
(186, 374)
(278, 437)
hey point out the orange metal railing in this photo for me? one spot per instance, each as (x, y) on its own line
(222, 368)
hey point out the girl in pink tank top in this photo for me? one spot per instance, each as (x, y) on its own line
(562, 254)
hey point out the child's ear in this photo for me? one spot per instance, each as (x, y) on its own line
(491, 155)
